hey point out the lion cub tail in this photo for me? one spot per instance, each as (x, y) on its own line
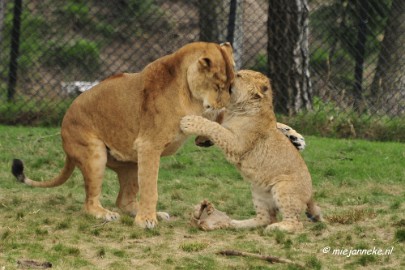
(313, 212)
(18, 171)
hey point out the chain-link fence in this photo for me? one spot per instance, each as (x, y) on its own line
(341, 56)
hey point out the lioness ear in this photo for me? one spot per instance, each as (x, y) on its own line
(205, 63)
(227, 48)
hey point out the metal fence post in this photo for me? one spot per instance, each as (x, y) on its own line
(15, 44)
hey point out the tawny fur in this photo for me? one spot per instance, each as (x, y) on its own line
(218, 116)
(128, 121)
(207, 218)
(265, 157)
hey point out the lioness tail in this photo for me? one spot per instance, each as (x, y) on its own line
(18, 171)
(313, 212)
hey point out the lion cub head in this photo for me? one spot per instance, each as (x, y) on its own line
(250, 93)
(210, 78)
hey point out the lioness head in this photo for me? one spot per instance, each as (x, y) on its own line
(250, 89)
(210, 78)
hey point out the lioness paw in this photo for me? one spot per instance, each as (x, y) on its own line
(189, 124)
(146, 222)
(111, 216)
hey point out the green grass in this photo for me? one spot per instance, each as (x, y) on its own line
(359, 185)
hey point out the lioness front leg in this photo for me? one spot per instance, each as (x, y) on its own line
(220, 136)
(148, 168)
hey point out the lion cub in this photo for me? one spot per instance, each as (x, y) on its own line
(279, 177)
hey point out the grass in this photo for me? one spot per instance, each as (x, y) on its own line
(359, 185)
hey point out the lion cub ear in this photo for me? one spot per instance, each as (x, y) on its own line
(260, 94)
(205, 63)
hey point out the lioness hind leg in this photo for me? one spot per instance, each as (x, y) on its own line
(129, 187)
(128, 178)
(92, 165)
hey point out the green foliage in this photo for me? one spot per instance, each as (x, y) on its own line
(328, 119)
(127, 220)
(66, 250)
(33, 112)
(337, 23)
(77, 12)
(320, 59)
(31, 42)
(400, 235)
(80, 54)
(260, 63)
(313, 263)
(193, 246)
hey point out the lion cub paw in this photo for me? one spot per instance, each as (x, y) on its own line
(285, 226)
(189, 124)
(146, 222)
(163, 216)
(296, 139)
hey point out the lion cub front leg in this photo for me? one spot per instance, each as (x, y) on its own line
(220, 136)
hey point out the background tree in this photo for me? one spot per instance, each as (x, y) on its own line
(288, 55)
(360, 51)
(2, 13)
(209, 28)
(389, 79)
(220, 21)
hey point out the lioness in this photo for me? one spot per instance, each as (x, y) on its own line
(128, 121)
(265, 157)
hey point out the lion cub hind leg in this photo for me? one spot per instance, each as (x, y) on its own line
(265, 211)
(92, 165)
(289, 206)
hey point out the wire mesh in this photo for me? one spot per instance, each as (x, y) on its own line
(52, 50)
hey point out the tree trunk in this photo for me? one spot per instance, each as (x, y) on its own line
(360, 53)
(388, 87)
(2, 14)
(208, 26)
(15, 45)
(235, 30)
(288, 55)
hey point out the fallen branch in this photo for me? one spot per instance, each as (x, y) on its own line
(34, 264)
(37, 140)
(270, 259)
